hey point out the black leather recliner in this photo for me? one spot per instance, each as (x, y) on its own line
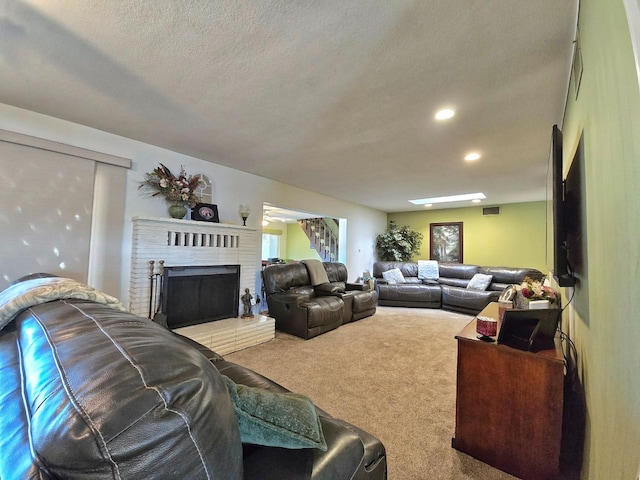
(306, 311)
(295, 305)
(358, 303)
(94, 393)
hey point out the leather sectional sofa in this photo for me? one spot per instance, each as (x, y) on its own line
(92, 392)
(306, 310)
(449, 290)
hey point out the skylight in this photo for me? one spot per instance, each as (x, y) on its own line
(450, 198)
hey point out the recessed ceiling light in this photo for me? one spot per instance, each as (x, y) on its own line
(449, 198)
(427, 205)
(476, 200)
(444, 114)
(470, 157)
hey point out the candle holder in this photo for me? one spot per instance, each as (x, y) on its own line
(244, 213)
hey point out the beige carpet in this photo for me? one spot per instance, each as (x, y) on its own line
(393, 375)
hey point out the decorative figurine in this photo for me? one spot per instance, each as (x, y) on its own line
(246, 303)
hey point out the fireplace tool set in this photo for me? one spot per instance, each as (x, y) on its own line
(156, 284)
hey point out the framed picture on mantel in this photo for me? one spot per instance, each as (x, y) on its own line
(445, 242)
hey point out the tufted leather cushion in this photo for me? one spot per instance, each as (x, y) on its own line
(510, 276)
(408, 269)
(324, 311)
(282, 277)
(461, 299)
(364, 301)
(410, 293)
(336, 271)
(105, 405)
(458, 270)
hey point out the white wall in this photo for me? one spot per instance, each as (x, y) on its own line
(231, 187)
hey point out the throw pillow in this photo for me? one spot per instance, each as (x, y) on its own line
(480, 282)
(287, 420)
(394, 276)
(428, 270)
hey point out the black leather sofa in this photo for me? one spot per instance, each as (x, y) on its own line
(90, 392)
(304, 310)
(450, 290)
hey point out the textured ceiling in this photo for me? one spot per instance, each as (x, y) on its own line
(332, 96)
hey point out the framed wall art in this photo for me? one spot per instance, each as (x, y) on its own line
(446, 242)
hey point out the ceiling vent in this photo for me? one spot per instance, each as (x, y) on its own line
(491, 211)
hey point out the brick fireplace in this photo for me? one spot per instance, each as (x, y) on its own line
(189, 244)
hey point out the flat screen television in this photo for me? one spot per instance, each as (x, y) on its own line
(560, 264)
(574, 214)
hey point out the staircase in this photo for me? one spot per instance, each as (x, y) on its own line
(323, 235)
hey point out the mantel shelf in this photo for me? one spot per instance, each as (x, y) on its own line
(174, 221)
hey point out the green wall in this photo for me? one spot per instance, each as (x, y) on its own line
(514, 238)
(298, 244)
(604, 319)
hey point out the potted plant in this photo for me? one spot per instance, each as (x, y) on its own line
(178, 190)
(398, 244)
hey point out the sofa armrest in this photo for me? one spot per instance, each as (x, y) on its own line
(332, 288)
(290, 298)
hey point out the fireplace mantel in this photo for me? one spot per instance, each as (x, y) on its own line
(188, 243)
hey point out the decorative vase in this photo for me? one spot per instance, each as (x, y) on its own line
(521, 302)
(177, 210)
(538, 304)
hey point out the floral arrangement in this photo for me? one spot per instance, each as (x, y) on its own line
(536, 290)
(398, 244)
(175, 189)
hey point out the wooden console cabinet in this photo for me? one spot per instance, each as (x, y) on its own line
(509, 405)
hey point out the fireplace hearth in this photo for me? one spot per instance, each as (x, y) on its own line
(198, 294)
(199, 244)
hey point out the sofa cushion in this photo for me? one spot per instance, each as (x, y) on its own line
(394, 276)
(336, 271)
(281, 277)
(428, 270)
(351, 453)
(480, 282)
(509, 275)
(415, 280)
(274, 419)
(106, 405)
(410, 293)
(364, 301)
(324, 311)
(462, 299)
(458, 270)
(454, 282)
(304, 290)
(408, 269)
(331, 288)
